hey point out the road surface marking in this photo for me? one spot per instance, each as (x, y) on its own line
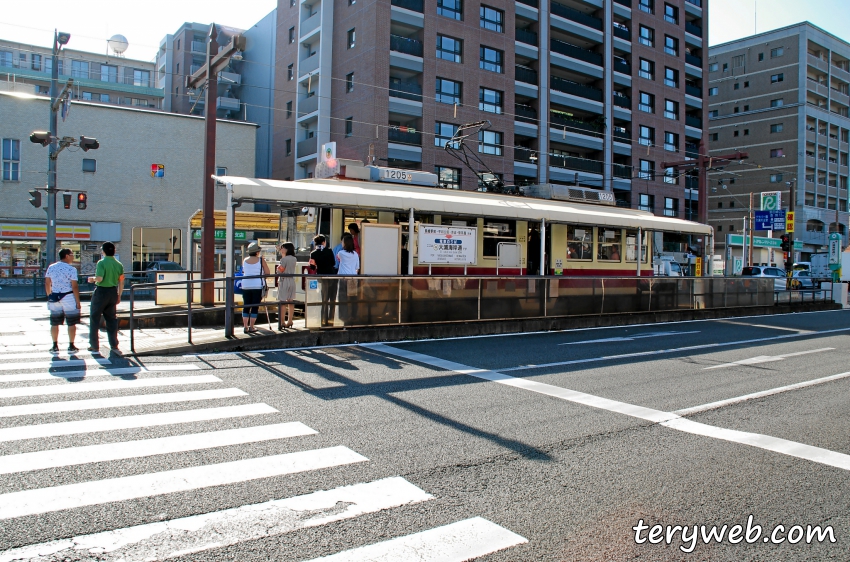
(631, 338)
(761, 394)
(664, 351)
(97, 492)
(61, 363)
(41, 353)
(55, 458)
(113, 371)
(197, 533)
(77, 388)
(768, 326)
(455, 542)
(118, 402)
(766, 358)
(131, 422)
(667, 419)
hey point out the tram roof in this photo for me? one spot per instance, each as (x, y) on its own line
(401, 197)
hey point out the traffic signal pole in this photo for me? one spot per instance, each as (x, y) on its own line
(52, 156)
(789, 256)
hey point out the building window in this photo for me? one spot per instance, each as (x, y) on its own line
(349, 82)
(104, 98)
(737, 61)
(85, 96)
(89, 165)
(492, 19)
(713, 91)
(291, 3)
(647, 36)
(775, 178)
(671, 141)
(776, 128)
(443, 133)
(713, 137)
(671, 109)
(288, 109)
(777, 152)
(448, 91)
(79, 69)
(774, 78)
(349, 126)
(736, 86)
(671, 177)
(746, 84)
(450, 8)
(36, 62)
(447, 178)
(646, 171)
(647, 102)
(776, 103)
(713, 113)
(671, 14)
(292, 34)
(712, 67)
(777, 52)
(490, 142)
(351, 38)
(449, 48)
(736, 109)
(290, 72)
(734, 133)
(720, 227)
(671, 77)
(671, 45)
(490, 100)
(288, 147)
(761, 57)
(491, 59)
(646, 202)
(110, 73)
(11, 160)
(646, 135)
(646, 69)
(671, 206)
(647, 6)
(746, 108)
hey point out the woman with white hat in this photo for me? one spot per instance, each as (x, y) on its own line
(252, 289)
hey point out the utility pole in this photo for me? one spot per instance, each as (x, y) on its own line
(789, 257)
(59, 39)
(216, 62)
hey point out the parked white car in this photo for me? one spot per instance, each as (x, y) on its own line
(779, 283)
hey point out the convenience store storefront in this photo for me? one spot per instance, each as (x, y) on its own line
(23, 248)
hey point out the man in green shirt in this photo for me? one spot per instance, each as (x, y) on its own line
(109, 283)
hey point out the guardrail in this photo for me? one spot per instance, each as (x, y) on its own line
(86, 288)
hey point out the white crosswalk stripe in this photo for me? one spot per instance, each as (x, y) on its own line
(110, 371)
(59, 364)
(102, 386)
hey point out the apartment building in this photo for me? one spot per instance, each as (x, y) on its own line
(782, 96)
(98, 77)
(591, 92)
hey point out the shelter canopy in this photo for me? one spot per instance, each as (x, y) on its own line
(400, 197)
(245, 220)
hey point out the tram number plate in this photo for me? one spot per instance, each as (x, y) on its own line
(398, 175)
(606, 196)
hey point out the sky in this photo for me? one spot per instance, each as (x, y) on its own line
(144, 24)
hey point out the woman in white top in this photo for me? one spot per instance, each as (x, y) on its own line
(252, 289)
(349, 264)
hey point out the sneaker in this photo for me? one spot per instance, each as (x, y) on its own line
(72, 348)
(55, 348)
(94, 349)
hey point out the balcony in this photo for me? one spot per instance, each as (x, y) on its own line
(621, 100)
(525, 74)
(695, 91)
(405, 90)
(309, 64)
(526, 36)
(229, 78)
(407, 46)
(622, 171)
(695, 2)
(199, 47)
(308, 105)
(622, 134)
(413, 5)
(525, 155)
(310, 24)
(622, 32)
(525, 113)
(227, 104)
(576, 16)
(573, 163)
(694, 60)
(404, 135)
(576, 89)
(693, 29)
(532, 3)
(572, 51)
(692, 121)
(306, 147)
(691, 150)
(626, 3)
(622, 66)
(574, 125)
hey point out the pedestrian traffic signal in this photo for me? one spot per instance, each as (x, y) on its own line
(35, 198)
(40, 137)
(82, 201)
(786, 243)
(66, 199)
(87, 143)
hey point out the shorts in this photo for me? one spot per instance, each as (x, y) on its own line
(64, 310)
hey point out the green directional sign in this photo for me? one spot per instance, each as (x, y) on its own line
(760, 242)
(221, 234)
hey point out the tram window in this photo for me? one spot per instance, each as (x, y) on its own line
(580, 243)
(608, 244)
(631, 245)
(495, 232)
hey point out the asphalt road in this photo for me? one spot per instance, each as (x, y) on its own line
(536, 447)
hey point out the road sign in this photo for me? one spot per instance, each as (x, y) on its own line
(770, 201)
(789, 221)
(770, 220)
(835, 251)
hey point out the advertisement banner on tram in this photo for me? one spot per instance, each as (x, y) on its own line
(448, 245)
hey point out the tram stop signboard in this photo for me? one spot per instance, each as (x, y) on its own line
(448, 245)
(835, 251)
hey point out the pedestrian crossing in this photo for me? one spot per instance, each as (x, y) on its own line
(186, 399)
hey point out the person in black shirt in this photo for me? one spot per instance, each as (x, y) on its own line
(322, 258)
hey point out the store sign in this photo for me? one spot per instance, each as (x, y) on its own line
(448, 245)
(789, 221)
(771, 201)
(157, 170)
(23, 231)
(759, 242)
(221, 234)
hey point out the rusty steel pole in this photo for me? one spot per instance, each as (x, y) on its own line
(208, 224)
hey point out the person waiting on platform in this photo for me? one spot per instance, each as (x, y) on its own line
(286, 285)
(349, 264)
(252, 289)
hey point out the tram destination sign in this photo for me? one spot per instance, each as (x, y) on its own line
(448, 245)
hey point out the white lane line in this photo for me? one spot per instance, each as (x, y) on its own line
(631, 338)
(766, 358)
(118, 402)
(667, 419)
(761, 394)
(768, 326)
(131, 422)
(667, 351)
(111, 371)
(456, 542)
(59, 364)
(197, 533)
(78, 388)
(39, 353)
(55, 458)
(97, 492)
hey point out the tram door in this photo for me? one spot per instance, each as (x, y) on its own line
(535, 263)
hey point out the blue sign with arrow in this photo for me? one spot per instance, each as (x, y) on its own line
(770, 220)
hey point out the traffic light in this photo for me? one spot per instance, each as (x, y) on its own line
(87, 143)
(40, 137)
(82, 201)
(66, 199)
(786, 243)
(35, 198)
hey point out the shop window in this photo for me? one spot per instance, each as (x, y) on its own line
(495, 232)
(19, 259)
(608, 244)
(631, 245)
(156, 244)
(579, 243)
